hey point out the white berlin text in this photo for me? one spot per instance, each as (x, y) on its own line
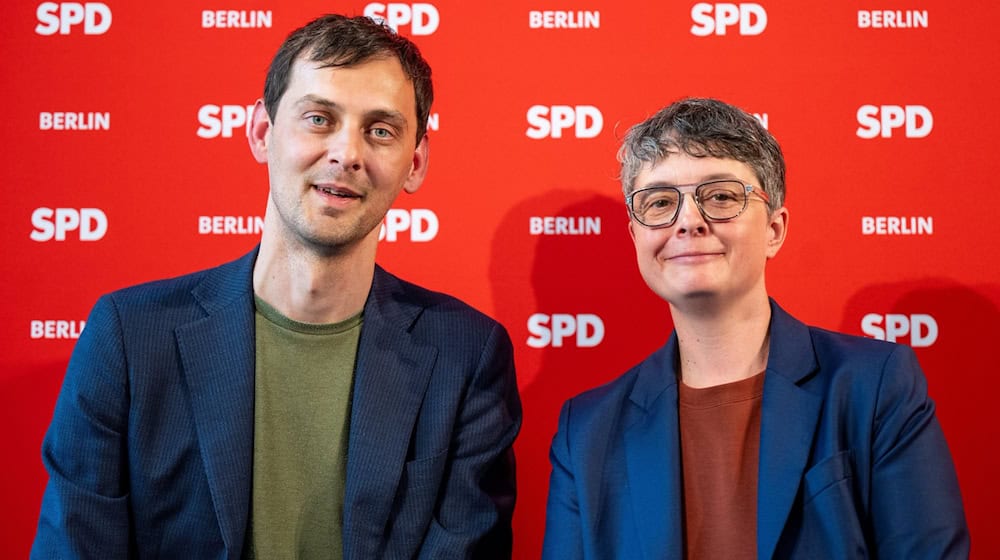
(236, 19)
(897, 225)
(59, 120)
(563, 225)
(55, 329)
(892, 19)
(230, 225)
(558, 19)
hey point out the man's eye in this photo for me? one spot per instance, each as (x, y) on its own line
(318, 120)
(382, 133)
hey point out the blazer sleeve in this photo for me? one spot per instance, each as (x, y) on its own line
(84, 511)
(916, 506)
(563, 526)
(476, 506)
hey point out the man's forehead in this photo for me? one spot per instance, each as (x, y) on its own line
(387, 65)
(346, 60)
(313, 58)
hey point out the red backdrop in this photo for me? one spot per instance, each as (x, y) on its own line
(125, 161)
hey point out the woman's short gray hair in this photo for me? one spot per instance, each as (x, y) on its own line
(705, 128)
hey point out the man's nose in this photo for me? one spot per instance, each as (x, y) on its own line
(345, 146)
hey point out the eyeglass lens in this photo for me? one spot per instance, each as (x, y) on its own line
(718, 200)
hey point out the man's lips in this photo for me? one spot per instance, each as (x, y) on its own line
(336, 190)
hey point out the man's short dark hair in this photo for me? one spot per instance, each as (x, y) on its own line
(337, 40)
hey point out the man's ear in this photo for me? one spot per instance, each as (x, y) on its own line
(777, 229)
(419, 168)
(258, 133)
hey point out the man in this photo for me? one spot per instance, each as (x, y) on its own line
(749, 434)
(299, 402)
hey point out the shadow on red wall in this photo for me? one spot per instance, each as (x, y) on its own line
(589, 279)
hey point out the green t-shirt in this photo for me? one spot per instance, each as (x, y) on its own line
(302, 407)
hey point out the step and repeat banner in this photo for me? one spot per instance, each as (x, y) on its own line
(125, 160)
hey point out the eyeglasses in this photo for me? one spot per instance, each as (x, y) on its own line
(718, 201)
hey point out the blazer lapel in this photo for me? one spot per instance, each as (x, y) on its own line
(390, 381)
(652, 451)
(789, 415)
(217, 355)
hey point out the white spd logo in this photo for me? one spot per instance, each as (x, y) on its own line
(421, 223)
(550, 122)
(751, 18)
(922, 328)
(55, 223)
(880, 120)
(63, 16)
(221, 120)
(586, 329)
(423, 19)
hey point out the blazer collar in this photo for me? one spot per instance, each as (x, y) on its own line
(653, 452)
(656, 374)
(791, 353)
(217, 356)
(391, 378)
(217, 353)
(789, 416)
(652, 438)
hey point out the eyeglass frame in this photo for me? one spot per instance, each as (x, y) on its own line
(749, 189)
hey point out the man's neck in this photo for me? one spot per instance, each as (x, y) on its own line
(310, 287)
(723, 343)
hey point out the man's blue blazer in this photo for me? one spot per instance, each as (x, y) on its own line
(150, 448)
(853, 463)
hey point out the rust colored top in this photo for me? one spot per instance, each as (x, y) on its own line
(720, 441)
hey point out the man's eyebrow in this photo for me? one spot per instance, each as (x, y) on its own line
(316, 100)
(389, 116)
